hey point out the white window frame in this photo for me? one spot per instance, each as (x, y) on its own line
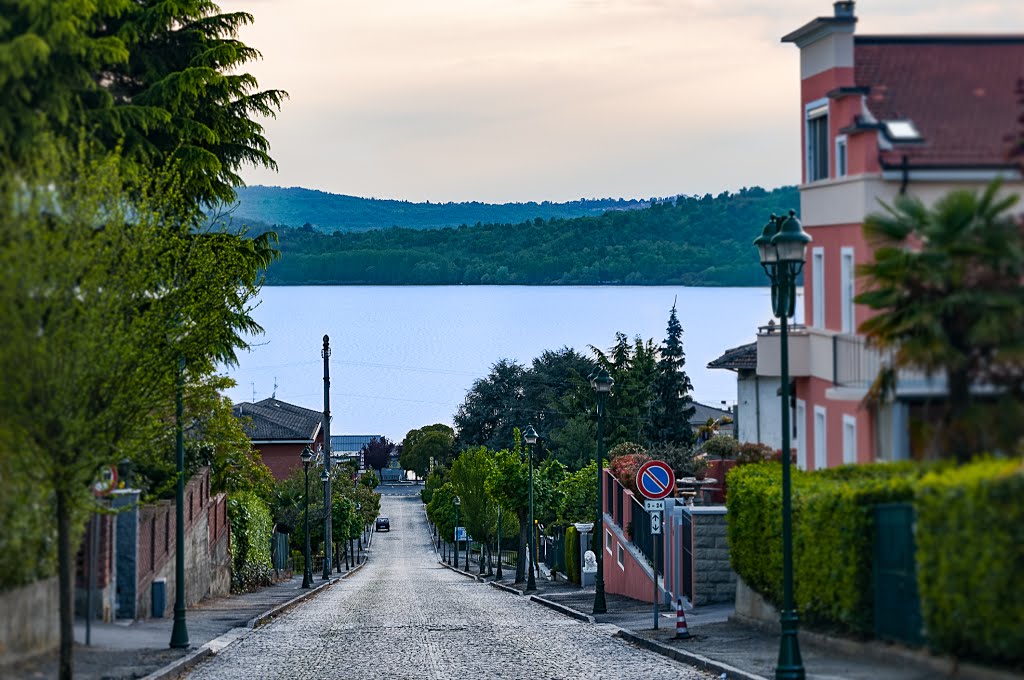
(608, 542)
(818, 287)
(842, 156)
(819, 108)
(820, 438)
(801, 434)
(849, 439)
(847, 278)
(620, 556)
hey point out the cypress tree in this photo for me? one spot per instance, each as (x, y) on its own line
(673, 405)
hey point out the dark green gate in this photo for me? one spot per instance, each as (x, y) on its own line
(897, 608)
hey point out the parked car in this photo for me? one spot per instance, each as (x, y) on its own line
(383, 524)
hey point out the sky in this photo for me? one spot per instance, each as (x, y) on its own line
(519, 100)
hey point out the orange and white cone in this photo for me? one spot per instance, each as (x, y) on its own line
(681, 632)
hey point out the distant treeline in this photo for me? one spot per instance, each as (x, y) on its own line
(692, 241)
(328, 213)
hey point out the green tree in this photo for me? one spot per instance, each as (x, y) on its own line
(509, 485)
(468, 477)
(578, 496)
(673, 406)
(423, 444)
(493, 407)
(946, 285)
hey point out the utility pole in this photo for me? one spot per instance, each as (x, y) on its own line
(326, 427)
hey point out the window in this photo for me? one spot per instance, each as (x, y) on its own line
(620, 557)
(849, 439)
(846, 275)
(608, 542)
(800, 424)
(817, 140)
(841, 156)
(818, 287)
(820, 454)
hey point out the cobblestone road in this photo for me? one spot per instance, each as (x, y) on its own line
(405, 616)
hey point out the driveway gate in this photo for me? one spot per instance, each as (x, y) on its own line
(897, 609)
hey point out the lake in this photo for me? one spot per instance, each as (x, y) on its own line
(405, 356)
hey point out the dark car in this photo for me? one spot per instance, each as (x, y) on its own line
(383, 524)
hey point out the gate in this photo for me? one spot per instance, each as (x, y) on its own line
(897, 607)
(686, 534)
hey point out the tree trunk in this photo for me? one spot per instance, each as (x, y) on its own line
(65, 581)
(490, 561)
(524, 541)
(956, 422)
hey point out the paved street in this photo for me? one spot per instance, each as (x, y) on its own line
(405, 616)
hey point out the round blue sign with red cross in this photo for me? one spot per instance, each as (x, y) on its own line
(655, 479)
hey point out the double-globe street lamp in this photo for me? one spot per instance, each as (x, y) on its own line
(602, 384)
(782, 246)
(307, 574)
(530, 437)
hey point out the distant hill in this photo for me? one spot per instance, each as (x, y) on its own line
(692, 241)
(295, 207)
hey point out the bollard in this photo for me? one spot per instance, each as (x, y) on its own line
(681, 632)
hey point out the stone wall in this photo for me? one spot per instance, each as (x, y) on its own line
(713, 579)
(30, 623)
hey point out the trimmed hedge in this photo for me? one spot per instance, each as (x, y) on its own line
(251, 534)
(970, 558)
(572, 554)
(969, 537)
(833, 531)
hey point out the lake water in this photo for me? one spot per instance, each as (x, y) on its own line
(404, 356)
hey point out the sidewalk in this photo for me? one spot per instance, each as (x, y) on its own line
(721, 644)
(135, 649)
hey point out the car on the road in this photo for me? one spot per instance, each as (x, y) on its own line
(383, 524)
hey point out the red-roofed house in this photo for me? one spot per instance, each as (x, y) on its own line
(881, 115)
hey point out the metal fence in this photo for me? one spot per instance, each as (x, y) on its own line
(620, 498)
(854, 364)
(640, 533)
(686, 556)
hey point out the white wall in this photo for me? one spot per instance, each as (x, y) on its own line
(760, 393)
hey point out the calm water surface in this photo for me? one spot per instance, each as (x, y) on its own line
(404, 357)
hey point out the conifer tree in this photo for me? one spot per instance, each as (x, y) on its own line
(673, 405)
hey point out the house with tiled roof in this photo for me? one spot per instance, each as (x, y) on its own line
(279, 431)
(756, 413)
(880, 116)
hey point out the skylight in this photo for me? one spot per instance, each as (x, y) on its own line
(901, 131)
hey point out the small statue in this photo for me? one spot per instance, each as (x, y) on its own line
(589, 561)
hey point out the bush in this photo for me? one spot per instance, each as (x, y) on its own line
(572, 554)
(625, 467)
(721, 446)
(251, 534)
(970, 559)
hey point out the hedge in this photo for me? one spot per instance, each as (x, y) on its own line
(970, 558)
(251, 535)
(969, 539)
(572, 554)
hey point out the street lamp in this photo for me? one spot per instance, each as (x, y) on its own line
(782, 246)
(602, 384)
(325, 479)
(499, 574)
(179, 633)
(457, 504)
(530, 437)
(307, 575)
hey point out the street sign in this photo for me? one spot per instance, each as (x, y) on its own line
(460, 533)
(106, 482)
(655, 480)
(655, 523)
(654, 506)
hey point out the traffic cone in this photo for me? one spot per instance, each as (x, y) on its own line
(681, 632)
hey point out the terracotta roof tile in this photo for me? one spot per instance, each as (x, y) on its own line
(742, 357)
(960, 92)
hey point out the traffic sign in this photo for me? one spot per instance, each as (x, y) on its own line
(106, 482)
(655, 523)
(655, 480)
(652, 506)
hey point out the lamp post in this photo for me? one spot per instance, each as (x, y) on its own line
(307, 572)
(457, 504)
(499, 575)
(325, 479)
(179, 633)
(530, 437)
(782, 246)
(602, 384)
(326, 476)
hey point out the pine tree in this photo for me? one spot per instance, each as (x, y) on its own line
(673, 405)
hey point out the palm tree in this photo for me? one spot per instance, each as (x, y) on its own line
(946, 282)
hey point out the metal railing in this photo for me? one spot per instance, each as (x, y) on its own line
(854, 363)
(640, 534)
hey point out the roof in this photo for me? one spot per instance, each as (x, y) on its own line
(737, 358)
(704, 412)
(960, 92)
(351, 443)
(275, 420)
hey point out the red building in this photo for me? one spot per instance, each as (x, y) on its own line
(881, 116)
(279, 431)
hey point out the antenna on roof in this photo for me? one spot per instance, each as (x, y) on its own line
(274, 395)
(253, 385)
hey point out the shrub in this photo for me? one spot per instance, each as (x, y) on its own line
(251, 533)
(970, 558)
(751, 452)
(721, 446)
(625, 467)
(572, 554)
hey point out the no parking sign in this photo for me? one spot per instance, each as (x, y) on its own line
(655, 479)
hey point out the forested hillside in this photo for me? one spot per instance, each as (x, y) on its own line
(695, 241)
(328, 213)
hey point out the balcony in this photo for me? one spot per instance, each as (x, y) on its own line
(810, 352)
(854, 363)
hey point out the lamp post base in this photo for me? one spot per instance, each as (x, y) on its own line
(179, 633)
(790, 665)
(600, 605)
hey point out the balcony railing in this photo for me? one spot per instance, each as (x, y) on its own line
(854, 363)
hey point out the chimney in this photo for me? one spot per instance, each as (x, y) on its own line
(843, 9)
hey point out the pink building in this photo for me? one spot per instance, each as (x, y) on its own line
(881, 116)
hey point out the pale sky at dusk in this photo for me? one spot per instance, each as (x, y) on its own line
(516, 100)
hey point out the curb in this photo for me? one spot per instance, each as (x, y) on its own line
(562, 609)
(507, 589)
(689, 658)
(459, 571)
(181, 666)
(265, 617)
